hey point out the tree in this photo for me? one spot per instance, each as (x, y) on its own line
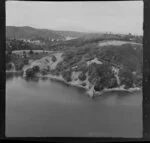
(82, 76)
(26, 61)
(19, 66)
(36, 69)
(30, 73)
(126, 78)
(98, 86)
(44, 71)
(8, 66)
(67, 75)
(102, 77)
(137, 79)
(113, 83)
(82, 66)
(54, 58)
(8, 56)
(31, 52)
(83, 84)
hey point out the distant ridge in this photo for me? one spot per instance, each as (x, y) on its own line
(30, 33)
(27, 32)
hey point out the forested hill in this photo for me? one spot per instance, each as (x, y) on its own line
(26, 32)
(94, 60)
(30, 33)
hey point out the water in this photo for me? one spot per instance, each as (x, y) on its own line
(116, 43)
(47, 108)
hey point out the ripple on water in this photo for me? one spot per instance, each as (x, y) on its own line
(117, 98)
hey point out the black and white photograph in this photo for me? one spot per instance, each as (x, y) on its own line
(74, 69)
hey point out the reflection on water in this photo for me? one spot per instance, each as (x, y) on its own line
(11, 75)
(45, 107)
(32, 80)
(123, 98)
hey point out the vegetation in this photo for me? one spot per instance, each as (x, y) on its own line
(31, 72)
(102, 76)
(67, 75)
(126, 78)
(82, 76)
(8, 66)
(54, 58)
(31, 52)
(127, 58)
(36, 69)
(8, 56)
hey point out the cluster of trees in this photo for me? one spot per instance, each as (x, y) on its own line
(18, 61)
(128, 79)
(15, 44)
(126, 55)
(8, 56)
(8, 66)
(95, 38)
(82, 76)
(30, 72)
(54, 58)
(45, 70)
(66, 67)
(101, 76)
(67, 75)
(89, 39)
(21, 60)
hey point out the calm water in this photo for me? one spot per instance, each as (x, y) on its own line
(44, 107)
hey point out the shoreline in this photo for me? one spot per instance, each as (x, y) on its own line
(90, 91)
(14, 71)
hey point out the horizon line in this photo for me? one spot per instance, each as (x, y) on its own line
(87, 32)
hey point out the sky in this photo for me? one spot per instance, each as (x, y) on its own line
(114, 16)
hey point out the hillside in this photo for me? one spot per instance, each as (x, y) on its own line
(27, 32)
(94, 61)
(93, 67)
(71, 34)
(31, 33)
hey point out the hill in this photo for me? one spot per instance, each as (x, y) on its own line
(31, 33)
(94, 61)
(71, 34)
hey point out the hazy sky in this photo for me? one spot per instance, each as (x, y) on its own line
(118, 17)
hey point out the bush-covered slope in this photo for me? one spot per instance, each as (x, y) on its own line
(92, 61)
(94, 67)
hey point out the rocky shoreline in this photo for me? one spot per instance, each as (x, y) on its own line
(88, 72)
(90, 91)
